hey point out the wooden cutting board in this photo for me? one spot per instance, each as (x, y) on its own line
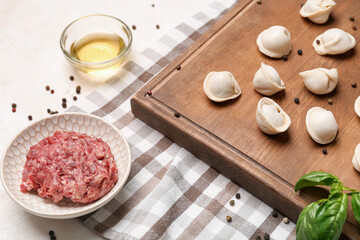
(226, 136)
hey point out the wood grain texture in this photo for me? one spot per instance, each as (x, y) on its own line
(226, 135)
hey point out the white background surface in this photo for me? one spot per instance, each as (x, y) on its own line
(31, 58)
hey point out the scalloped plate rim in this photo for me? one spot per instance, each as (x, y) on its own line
(86, 209)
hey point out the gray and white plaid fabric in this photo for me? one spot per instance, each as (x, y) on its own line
(171, 194)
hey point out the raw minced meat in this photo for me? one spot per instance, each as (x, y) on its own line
(71, 165)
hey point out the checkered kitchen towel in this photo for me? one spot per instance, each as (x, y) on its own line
(171, 194)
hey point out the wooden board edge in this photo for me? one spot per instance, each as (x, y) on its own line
(254, 178)
(161, 118)
(171, 67)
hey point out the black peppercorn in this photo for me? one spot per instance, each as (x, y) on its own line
(300, 52)
(237, 195)
(74, 98)
(285, 57)
(30, 117)
(64, 105)
(51, 233)
(48, 110)
(324, 151)
(266, 236)
(274, 214)
(63, 100)
(178, 67)
(71, 78)
(297, 100)
(78, 89)
(177, 115)
(317, 41)
(353, 85)
(352, 18)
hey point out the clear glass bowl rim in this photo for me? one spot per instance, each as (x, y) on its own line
(94, 64)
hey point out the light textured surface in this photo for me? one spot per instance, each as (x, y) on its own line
(15, 157)
(31, 59)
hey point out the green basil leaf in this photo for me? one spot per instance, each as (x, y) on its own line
(316, 178)
(331, 216)
(305, 226)
(355, 202)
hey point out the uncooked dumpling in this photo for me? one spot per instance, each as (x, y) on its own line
(274, 42)
(320, 80)
(221, 86)
(270, 117)
(318, 11)
(357, 106)
(321, 125)
(267, 80)
(356, 158)
(334, 41)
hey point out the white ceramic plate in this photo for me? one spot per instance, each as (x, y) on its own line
(14, 158)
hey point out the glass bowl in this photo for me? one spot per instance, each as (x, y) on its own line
(90, 25)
